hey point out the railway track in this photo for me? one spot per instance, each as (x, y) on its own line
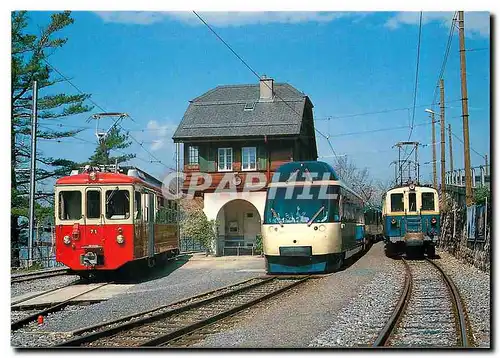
(32, 315)
(429, 312)
(171, 323)
(38, 275)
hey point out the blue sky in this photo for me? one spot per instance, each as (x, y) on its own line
(151, 64)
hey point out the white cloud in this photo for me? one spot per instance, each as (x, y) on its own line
(476, 23)
(131, 17)
(161, 133)
(223, 19)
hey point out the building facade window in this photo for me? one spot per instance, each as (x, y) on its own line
(249, 158)
(193, 154)
(225, 162)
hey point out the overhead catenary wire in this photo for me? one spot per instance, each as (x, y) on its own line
(442, 69)
(85, 142)
(443, 66)
(416, 76)
(102, 109)
(414, 91)
(382, 111)
(445, 57)
(259, 77)
(377, 130)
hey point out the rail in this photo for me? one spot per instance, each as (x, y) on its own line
(174, 322)
(400, 329)
(51, 309)
(17, 278)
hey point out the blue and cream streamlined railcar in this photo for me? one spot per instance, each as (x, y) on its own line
(411, 219)
(312, 220)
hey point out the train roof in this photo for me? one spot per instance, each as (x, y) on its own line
(422, 188)
(301, 171)
(125, 175)
(303, 168)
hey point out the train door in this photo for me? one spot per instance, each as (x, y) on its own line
(412, 202)
(94, 228)
(150, 212)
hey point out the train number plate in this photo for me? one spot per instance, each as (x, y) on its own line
(295, 251)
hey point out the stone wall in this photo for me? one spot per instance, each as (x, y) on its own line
(454, 236)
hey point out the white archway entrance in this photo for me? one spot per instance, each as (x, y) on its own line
(239, 224)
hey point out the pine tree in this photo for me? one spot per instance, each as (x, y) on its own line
(29, 63)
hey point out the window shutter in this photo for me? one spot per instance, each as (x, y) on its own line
(202, 157)
(211, 155)
(261, 157)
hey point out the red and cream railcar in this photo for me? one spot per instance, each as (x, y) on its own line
(105, 220)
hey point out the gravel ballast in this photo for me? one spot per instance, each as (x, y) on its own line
(474, 287)
(42, 284)
(309, 315)
(181, 279)
(344, 309)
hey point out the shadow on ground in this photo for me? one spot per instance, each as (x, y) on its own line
(140, 271)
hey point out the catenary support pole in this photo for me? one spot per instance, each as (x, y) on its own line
(443, 143)
(434, 161)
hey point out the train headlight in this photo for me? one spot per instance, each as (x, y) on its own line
(393, 221)
(67, 240)
(120, 239)
(322, 228)
(433, 221)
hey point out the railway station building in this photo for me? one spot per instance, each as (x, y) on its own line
(238, 135)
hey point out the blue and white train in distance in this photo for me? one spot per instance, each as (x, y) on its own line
(411, 219)
(312, 220)
(374, 229)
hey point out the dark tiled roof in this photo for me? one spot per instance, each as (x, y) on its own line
(221, 112)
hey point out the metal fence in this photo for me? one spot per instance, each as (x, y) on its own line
(478, 222)
(189, 244)
(43, 256)
(480, 177)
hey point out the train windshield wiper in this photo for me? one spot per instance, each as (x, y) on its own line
(315, 215)
(111, 195)
(277, 217)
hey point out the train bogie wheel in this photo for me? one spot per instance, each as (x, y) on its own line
(415, 252)
(431, 251)
(390, 249)
(335, 264)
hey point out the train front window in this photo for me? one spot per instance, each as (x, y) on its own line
(428, 201)
(70, 205)
(93, 203)
(397, 203)
(117, 204)
(296, 208)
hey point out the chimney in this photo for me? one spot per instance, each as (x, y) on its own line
(266, 89)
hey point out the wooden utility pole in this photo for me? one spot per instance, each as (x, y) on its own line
(34, 111)
(434, 169)
(465, 110)
(451, 148)
(443, 154)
